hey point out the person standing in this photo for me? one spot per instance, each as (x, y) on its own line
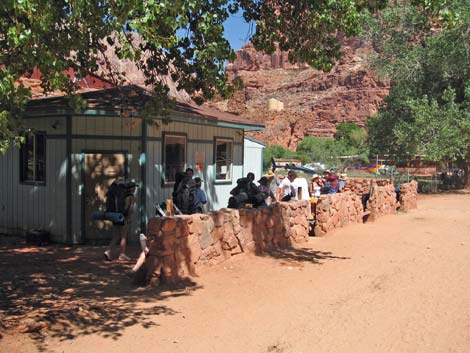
(120, 198)
(201, 198)
(287, 190)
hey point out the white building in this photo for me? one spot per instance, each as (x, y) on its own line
(61, 174)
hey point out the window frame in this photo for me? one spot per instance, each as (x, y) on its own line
(164, 157)
(225, 139)
(23, 159)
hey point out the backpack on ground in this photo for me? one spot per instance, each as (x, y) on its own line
(116, 196)
(185, 196)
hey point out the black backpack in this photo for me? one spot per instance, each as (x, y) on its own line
(117, 194)
(185, 195)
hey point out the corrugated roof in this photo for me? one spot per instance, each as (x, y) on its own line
(132, 99)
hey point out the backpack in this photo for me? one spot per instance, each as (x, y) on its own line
(116, 196)
(185, 196)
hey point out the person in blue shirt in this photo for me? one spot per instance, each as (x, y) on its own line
(332, 186)
(201, 198)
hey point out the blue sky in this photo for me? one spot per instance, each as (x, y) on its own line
(237, 31)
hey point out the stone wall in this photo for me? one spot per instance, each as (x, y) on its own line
(361, 186)
(177, 244)
(408, 196)
(336, 211)
(382, 201)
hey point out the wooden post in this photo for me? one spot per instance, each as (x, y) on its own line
(169, 208)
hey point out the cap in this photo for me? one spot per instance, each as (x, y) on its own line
(332, 177)
(269, 175)
(315, 176)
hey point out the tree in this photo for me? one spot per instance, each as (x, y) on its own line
(275, 151)
(427, 111)
(352, 134)
(180, 38)
(327, 150)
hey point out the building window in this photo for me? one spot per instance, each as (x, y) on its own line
(174, 156)
(33, 159)
(223, 159)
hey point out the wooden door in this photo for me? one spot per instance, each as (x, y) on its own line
(100, 170)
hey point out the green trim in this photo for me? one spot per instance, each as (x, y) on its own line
(255, 141)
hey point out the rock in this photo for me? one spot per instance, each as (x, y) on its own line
(168, 224)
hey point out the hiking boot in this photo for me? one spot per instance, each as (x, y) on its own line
(107, 255)
(124, 257)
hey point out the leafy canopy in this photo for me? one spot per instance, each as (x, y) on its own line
(427, 111)
(180, 38)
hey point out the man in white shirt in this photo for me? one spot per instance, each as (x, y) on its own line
(288, 191)
(303, 184)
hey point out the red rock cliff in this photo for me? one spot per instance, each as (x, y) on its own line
(314, 102)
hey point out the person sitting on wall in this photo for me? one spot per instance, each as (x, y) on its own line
(189, 172)
(246, 192)
(332, 186)
(302, 184)
(315, 186)
(265, 189)
(185, 195)
(201, 198)
(286, 187)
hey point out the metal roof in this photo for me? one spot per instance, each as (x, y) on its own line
(132, 99)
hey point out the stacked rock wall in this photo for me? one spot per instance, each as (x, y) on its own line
(336, 211)
(408, 196)
(361, 186)
(382, 201)
(177, 244)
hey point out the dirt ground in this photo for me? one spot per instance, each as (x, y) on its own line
(400, 284)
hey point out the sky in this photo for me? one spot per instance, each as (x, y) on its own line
(237, 31)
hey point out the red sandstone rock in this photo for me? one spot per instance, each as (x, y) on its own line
(314, 102)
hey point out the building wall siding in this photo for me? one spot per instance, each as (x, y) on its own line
(253, 160)
(24, 206)
(200, 138)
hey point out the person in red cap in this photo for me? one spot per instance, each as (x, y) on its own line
(332, 185)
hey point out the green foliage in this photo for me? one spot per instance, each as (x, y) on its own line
(327, 150)
(352, 134)
(276, 152)
(180, 38)
(427, 111)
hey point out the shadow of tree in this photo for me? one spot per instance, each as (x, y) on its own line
(301, 255)
(70, 292)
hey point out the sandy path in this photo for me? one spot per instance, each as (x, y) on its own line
(401, 284)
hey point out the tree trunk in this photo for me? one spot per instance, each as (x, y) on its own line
(464, 165)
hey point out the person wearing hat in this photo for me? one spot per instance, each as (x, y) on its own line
(200, 196)
(315, 186)
(332, 185)
(264, 188)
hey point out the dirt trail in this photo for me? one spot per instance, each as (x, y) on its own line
(400, 284)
